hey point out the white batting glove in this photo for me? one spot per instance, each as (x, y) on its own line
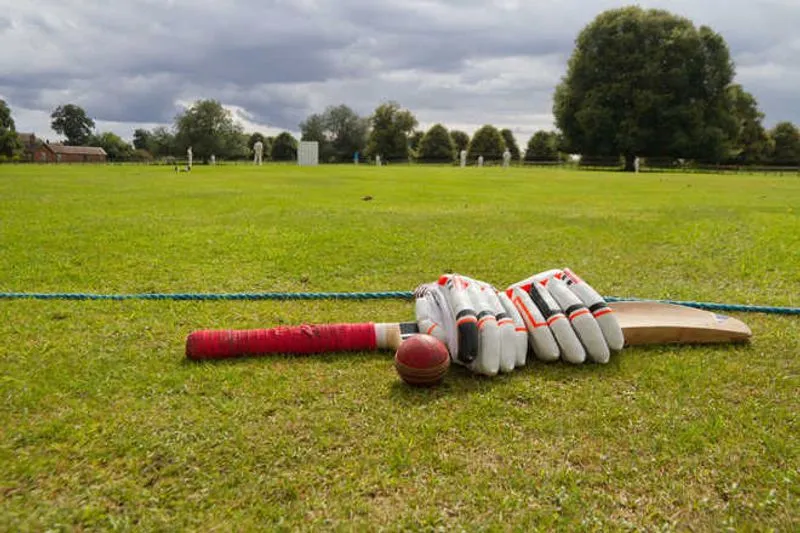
(566, 318)
(480, 326)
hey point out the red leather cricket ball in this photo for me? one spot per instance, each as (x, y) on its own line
(422, 360)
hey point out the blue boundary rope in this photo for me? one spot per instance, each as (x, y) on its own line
(386, 295)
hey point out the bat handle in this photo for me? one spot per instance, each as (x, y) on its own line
(305, 339)
(388, 336)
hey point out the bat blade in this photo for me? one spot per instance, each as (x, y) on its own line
(646, 323)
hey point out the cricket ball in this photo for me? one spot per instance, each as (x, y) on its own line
(422, 360)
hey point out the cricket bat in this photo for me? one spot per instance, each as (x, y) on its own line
(642, 323)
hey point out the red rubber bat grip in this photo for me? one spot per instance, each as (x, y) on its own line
(305, 339)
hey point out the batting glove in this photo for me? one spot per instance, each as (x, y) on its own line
(566, 318)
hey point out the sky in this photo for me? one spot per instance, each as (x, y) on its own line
(462, 63)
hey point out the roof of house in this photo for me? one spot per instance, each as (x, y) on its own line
(75, 150)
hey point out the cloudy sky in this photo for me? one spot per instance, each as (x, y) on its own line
(134, 63)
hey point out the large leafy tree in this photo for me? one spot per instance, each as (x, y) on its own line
(751, 144)
(284, 147)
(486, 142)
(460, 140)
(340, 132)
(390, 128)
(209, 129)
(647, 82)
(511, 143)
(436, 146)
(786, 144)
(9, 141)
(543, 146)
(73, 123)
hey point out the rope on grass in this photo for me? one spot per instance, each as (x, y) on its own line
(710, 306)
(386, 295)
(405, 295)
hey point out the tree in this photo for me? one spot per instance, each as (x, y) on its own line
(415, 139)
(646, 82)
(348, 132)
(9, 140)
(487, 142)
(72, 122)
(239, 148)
(162, 142)
(313, 129)
(511, 143)
(543, 146)
(284, 147)
(390, 128)
(209, 129)
(751, 144)
(786, 144)
(436, 146)
(339, 131)
(460, 140)
(142, 139)
(116, 148)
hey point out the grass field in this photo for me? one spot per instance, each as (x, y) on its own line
(104, 425)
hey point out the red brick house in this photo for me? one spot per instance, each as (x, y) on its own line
(58, 153)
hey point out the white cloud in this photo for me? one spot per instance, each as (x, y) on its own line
(463, 63)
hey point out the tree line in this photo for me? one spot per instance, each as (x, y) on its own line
(639, 84)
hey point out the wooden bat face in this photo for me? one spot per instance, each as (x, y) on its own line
(658, 323)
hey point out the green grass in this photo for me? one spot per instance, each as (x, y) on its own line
(104, 425)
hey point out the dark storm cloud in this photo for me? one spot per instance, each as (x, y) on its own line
(465, 63)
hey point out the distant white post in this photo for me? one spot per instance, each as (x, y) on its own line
(308, 154)
(258, 153)
(189, 158)
(463, 156)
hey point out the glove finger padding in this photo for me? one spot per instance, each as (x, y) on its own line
(580, 320)
(431, 308)
(490, 346)
(507, 346)
(520, 332)
(541, 339)
(599, 309)
(464, 316)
